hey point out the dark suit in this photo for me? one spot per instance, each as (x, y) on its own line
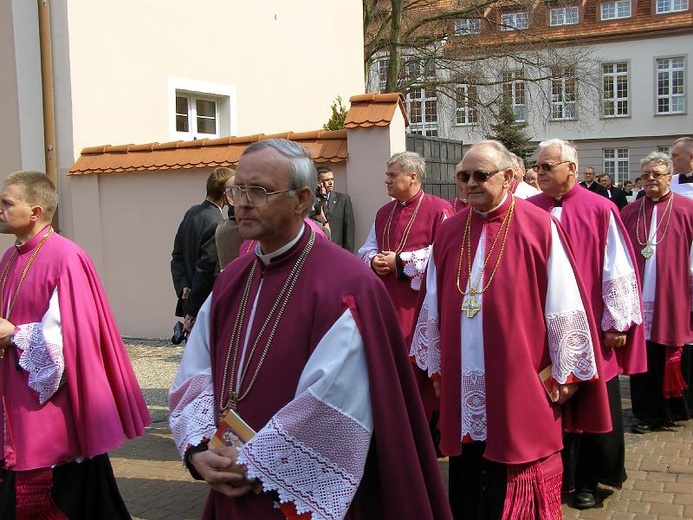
(340, 215)
(195, 234)
(597, 188)
(617, 196)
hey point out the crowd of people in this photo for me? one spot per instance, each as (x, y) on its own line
(491, 329)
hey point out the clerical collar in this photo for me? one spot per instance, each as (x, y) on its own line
(486, 213)
(659, 199)
(267, 258)
(410, 200)
(31, 243)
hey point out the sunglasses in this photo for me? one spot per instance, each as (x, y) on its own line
(547, 167)
(478, 175)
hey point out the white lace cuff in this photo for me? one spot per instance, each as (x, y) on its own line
(570, 346)
(414, 264)
(621, 303)
(425, 345)
(42, 359)
(192, 412)
(311, 455)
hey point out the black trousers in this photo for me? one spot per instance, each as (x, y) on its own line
(83, 491)
(591, 458)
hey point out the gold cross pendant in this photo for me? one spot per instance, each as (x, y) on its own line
(470, 305)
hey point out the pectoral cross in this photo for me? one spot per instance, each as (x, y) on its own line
(648, 250)
(470, 305)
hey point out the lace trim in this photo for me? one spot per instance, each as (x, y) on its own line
(570, 346)
(311, 455)
(43, 360)
(425, 345)
(192, 412)
(368, 257)
(648, 315)
(621, 303)
(474, 422)
(415, 263)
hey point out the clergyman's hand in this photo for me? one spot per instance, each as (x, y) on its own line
(614, 339)
(379, 265)
(6, 332)
(219, 469)
(561, 393)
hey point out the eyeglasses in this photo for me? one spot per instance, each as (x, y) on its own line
(547, 167)
(478, 175)
(255, 196)
(652, 174)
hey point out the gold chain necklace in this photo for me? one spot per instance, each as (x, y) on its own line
(236, 395)
(405, 234)
(648, 250)
(6, 271)
(470, 302)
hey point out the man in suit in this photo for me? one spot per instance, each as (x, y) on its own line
(338, 210)
(591, 184)
(616, 195)
(191, 279)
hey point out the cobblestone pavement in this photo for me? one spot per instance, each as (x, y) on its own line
(155, 485)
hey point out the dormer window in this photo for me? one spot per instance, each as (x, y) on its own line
(615, 10)
(564, 16)
(671, 6)
(467, 26)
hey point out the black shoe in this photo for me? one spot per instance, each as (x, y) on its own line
(641, 428)
(586, 498)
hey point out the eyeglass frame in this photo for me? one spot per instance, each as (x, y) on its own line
(479, 176)
(548, 167)
(244, 190)
(655, 176)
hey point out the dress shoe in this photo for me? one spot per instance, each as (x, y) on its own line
(641, 428)
(585, 499)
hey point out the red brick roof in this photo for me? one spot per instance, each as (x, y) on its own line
(325, 147)
(366, 111)
(369, 110)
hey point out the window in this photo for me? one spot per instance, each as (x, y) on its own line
(514, 21)
(200, 110)
(422, 107)
(466, 26)
(563, 93)
(671, 6)
(615, 10)
(564, 16)
(616, 163)
(664, 149)
(382, 65)
(514, 92)
(465, 113)
(615, 89)
(670, 85)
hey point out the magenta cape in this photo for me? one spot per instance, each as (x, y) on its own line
(100, 403)
(523, 426)
(585, 218)
(401, 478)
(673, 288)
(421, 235)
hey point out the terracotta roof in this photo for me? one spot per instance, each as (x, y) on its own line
(325, 147)
(369, 110)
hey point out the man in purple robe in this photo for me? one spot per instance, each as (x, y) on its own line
(399, 244)
(314, 363)
(504, 332)
(607, 265)
(68, 391)
(660, 226)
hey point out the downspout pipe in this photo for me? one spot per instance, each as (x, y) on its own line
(44, 23)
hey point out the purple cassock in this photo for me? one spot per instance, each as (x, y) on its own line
(69, 389)
(328, 388)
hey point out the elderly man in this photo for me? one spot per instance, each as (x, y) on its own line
(399, 244)
(607, 265)
(314, 364)
(660, 226)
(504, 331)
(68, 391)
(518, 186)
(591, 184)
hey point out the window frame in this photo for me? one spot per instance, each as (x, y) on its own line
(614, 76)
(512, 25)
(512, 80)
(680, 97)
(224, 97)
(616, 4)
(563, 11)
(466, 108)
(471, 26)
(565, 79)
(672, 8)
(611, 164)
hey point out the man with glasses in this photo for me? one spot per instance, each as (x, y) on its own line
(504, 332)
(313, 363)
(399, 244)
(591, 184)
(660, 226)
(607, 265)
(195, 240)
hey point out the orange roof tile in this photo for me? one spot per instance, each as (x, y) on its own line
(325, 147)
(369, 110)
